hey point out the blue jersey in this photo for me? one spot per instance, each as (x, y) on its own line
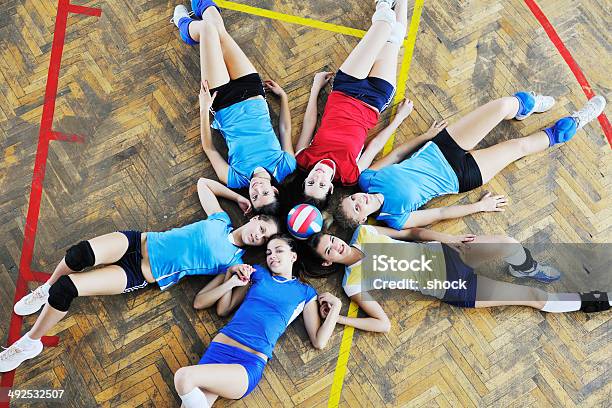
(269, 306)
(410, 184)
(251, 142)
(201, 248)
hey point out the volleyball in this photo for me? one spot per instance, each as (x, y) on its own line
(304, 220)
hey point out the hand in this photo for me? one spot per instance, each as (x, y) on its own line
(244, 204)
(491, 203)
(327, 302)
(460, 243)
(274, 88)
(321, 79)
(404, 109)
(241, 274)
(206, 100)
(237, 282)
(435, 128)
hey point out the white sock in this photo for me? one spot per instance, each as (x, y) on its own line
(195, 399)
(562, 302)
(28, 342)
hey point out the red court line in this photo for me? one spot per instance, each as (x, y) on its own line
(569, 60)
(45, 136)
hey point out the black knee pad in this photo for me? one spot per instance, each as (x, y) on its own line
(80, 256)
(61, 293)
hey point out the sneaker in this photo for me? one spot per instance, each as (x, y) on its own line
(541, 273)
(593, 108)
(33, 302)
(180, 11)
(391, 3)
(541, 103)
(19, 352)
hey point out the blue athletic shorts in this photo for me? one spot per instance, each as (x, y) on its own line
(130, 262)
(374, 91)
(220, 353)
(456, 269)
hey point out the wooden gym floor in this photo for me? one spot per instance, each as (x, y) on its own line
(129, 87)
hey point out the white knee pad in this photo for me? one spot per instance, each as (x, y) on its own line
(398, 33)
(194, 399)
(384, 13)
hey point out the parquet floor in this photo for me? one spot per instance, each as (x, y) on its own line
(129, 86)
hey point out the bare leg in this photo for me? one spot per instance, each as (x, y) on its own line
(385, 65)
(109, 280)
(225, 380)
(198, 302)
(237, 63)
(490, 293)
(211, 54)
(474, 126)
(493, 159)
(107, 249)
(360, 61)
(486, 248)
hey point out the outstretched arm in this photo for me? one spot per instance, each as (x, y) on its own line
(210, 190)
(284, 122)
(216, 160)
(488, 203)
(310, 116)
(379, 141)
(400, 152)
(318, 333)
(377, 320)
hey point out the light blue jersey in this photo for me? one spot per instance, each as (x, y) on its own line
(270, 305)
(251, 142)
(410, 184)
(201, 248)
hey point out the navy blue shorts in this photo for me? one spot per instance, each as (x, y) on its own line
(220, 353)
(456, 269)
(374, 91)
(130, 262)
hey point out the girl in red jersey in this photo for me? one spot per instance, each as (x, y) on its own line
(362, 88)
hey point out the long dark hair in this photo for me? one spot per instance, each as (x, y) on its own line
(313, 262)
(298, 270)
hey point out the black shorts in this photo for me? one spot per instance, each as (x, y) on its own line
(237, 90)
(457, 270)
(130, 262)
(461, 161)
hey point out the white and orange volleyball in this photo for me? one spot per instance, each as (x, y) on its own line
(304, 220)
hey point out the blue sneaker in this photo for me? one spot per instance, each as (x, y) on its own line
(200, 6)
(541, 273)
(530, 103)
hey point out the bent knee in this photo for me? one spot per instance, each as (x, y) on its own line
(182, 382)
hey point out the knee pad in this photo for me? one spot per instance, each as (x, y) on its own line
(384, 13)
(80, 256)
(562, 131)
(61, 293)
(526, 104)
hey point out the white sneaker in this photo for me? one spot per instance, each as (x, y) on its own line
(384, 12)
(593, 108)
(19, 352)
(542, 102)
(180, 11)
(32, 302)
(391, 3)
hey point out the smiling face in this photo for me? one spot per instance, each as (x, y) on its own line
(318, 183)
(261, 191)
(280, 257)
(332, 249)
(258, 230)
(357, 207)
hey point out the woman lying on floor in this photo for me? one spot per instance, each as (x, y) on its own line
(452, 260)
(126, 261)
(270, 299)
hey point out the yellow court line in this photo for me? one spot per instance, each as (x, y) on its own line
(405, 67)
(347, 334)
(308, 22)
